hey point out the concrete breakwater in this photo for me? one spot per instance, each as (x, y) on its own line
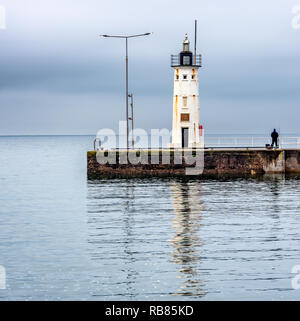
(217, 162)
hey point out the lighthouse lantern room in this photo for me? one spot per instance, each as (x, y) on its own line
(186, 129)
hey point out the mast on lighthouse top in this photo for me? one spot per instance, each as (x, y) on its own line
(185, 57)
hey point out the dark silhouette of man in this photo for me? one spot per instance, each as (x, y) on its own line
(274, 136)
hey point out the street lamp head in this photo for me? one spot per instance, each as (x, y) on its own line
(127, 36)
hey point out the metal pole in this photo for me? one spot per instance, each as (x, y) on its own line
(195, 48)
(132, 124)
(127, 129)
(126, 38)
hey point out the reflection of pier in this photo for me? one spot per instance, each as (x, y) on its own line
(187, 245)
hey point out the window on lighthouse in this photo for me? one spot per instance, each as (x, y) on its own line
(184, 101)
(184, 76)
(186, 60)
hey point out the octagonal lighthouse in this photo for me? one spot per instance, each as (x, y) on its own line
(186, 129)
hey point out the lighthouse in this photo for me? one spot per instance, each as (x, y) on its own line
(186, 129)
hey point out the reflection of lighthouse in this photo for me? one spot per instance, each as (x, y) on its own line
(186, 131)
(186, 254)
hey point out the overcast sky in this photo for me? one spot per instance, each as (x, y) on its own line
(57, 76)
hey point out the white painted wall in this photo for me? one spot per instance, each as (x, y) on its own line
(186, 88)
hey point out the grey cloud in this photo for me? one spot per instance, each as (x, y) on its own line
(52, 61)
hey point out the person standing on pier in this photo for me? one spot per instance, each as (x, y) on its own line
(274, 136)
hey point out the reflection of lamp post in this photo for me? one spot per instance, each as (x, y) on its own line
(126, 38)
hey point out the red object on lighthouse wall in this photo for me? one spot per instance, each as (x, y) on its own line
(201, 130)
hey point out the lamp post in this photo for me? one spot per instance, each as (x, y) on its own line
(132, 121)
(126, 38)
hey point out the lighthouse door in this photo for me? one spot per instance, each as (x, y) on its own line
(185, 137)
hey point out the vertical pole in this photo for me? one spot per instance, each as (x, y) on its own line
(127, 129)
(195, 47)
(132, 123)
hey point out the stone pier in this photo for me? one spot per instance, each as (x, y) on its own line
(217, 162)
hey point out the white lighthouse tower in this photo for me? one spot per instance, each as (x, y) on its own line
(186, 129)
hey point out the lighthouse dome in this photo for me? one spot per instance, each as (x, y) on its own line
(186, 43)
(186, 57)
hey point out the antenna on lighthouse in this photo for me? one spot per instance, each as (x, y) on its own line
(195, 47)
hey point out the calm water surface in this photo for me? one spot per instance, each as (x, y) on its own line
(65, 238)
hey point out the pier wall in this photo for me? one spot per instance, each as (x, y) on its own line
(216, 162)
